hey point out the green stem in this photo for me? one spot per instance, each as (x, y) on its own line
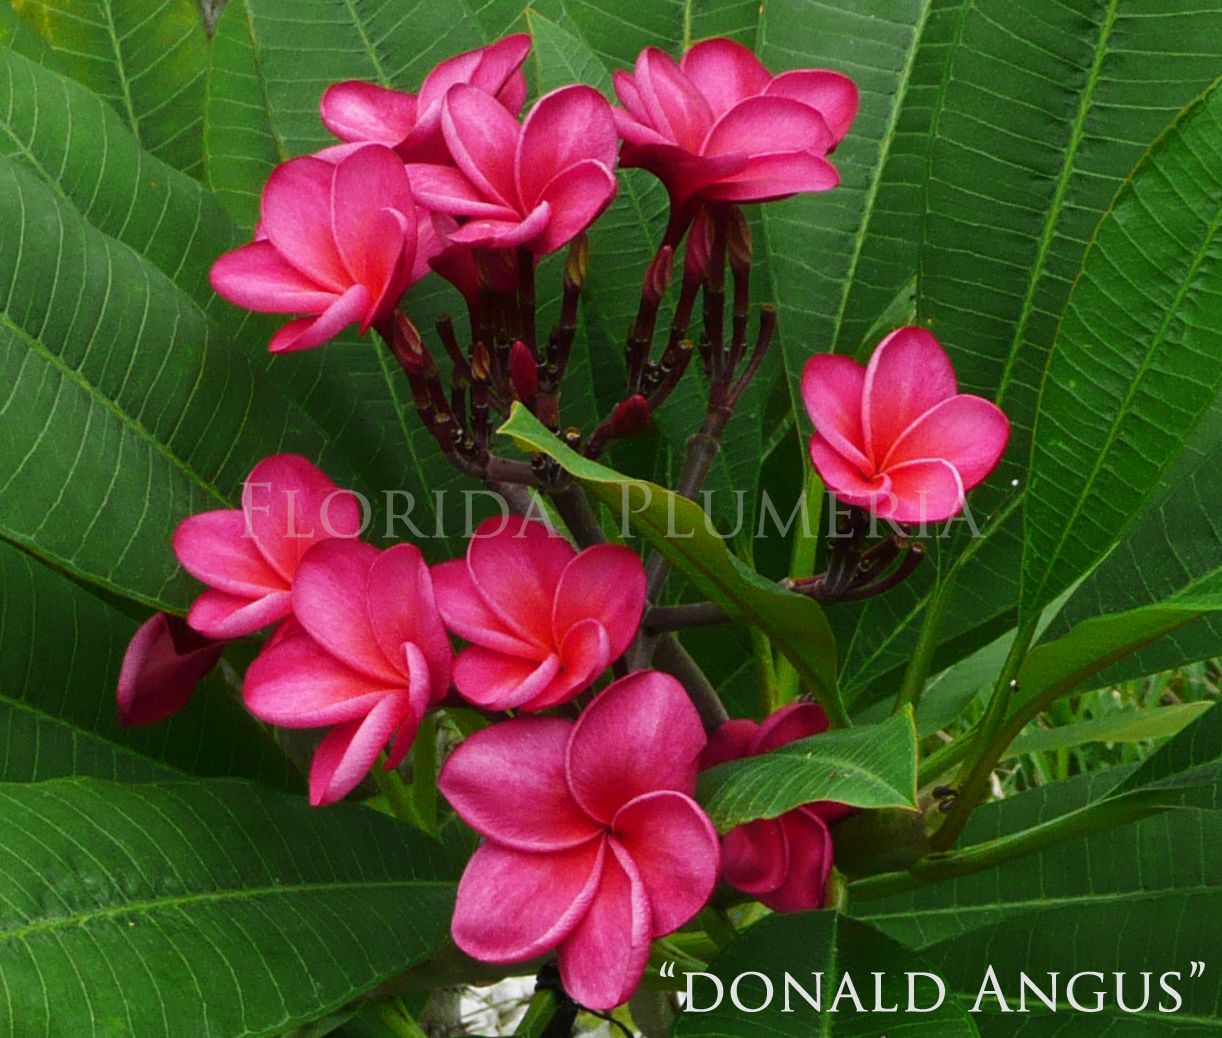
(424, 774)
(398, 1021)
(539, 1014)
(765, 671)
(398, 794)
(917, 672)
(1106, 814)
(943, 759)
(989, 741)
(802, 565)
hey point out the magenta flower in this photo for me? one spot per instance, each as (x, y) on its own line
(782, 862)
(338, 241)
(366, 658)
(719, 127)
(164, 662)
(537, 184)
(543, 620)
(593, 845)
(411, 123)
(897, 437)
(248, 556)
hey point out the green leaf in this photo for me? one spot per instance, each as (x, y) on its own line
(871, 766)
(62, 647)
(828, 947)
(218, 908)
(1192, 761)
(1156, 722)
(147, 62)
(1129, 377)
(681, 532)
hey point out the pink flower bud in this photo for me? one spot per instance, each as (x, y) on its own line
(523, 373)
(164, 662)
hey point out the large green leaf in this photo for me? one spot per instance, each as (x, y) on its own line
(821, 948)
(146, 60)
(62, 647)
(870, 766)
(163, 910)
(681, 532)
(1136, 361)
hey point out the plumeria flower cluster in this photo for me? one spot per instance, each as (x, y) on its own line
(581, 787)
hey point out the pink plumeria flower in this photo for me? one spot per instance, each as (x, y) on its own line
(164, 662)
(537, 184)
(366, 658)
(782, 862)
(543, 620)
(897, 437)
(719, 127)
(248, 556)
(411, 123)
(337, 240)
(593, 845)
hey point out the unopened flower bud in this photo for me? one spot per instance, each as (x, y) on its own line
(699, 244)
(738, 242)
(407, 344)
(630, 417)
(523, 373)
(576, 263)
(657, 277)
(481, 362)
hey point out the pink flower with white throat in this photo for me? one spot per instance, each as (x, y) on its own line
(543, 620)
(338, 241)
(360, 112)
(537, 184)
(897, 437)
(248, 556)
(593, 843)
(367, 657)
(717, 126)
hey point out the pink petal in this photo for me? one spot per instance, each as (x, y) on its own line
(217, 548)
(483, 139)
(373, 217)
(348, 751)
(517, 565)
(219, 614)
(296, 683)
(968, 431)
(725, 72)
(763, 125)
(504, 234)
(585, 653)
(163, 663)
(420, 696)
(447, 190)
(496, 681)
(928, 490)
(257, 277)
(674, 847)
(513, 94)
(831, 389)
(577, 197)
(331, 601)
(755, 857)
(353, 307)
(634, 131)
(514, 905)
(296, 217)
(289, 505)
(605, 583)
(642, 734)
(766, 178)
(567, 126)
(790, 723)
(630, 97)
(403, 611)
(356, 111)
(809, 847)
(907, 375)
(508, 783)
(467, 614)
(832, 95)
(676, 108)
(729, 741)
(683, 172)
(499, 64)
(844, 477)
(603, 959)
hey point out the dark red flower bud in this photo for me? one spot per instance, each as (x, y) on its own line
(738, 242)
(407, 344)
(699, 244)
(657, 277)
(523, 373)
(630, 417)
(165, 660)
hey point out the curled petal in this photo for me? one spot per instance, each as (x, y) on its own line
(967, 431)
(373, 216)
(357, 111)
(219, 614)
(567, 126)
(163, 663)
(296, 217)
(831, 390)
(447, 190)
(766, 178)
(217, 548)
(725, 72)
(483, 139)
(505, 234)
(500, 68)
(513, 905)
(257, 277)
(790, 723)
(349, 750)
(508, 783)
(756, 857)
(809, 863)
(640, 735)
(907, 375)
(831, 94)
(585, 653)
(495, 681)
(844, 478)
(605, 583)
(676, 108)
(466, 613)
(403, 610)
(927, 490)
(675, 849)
(763, 125)
(576, 196)
(353, 307)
